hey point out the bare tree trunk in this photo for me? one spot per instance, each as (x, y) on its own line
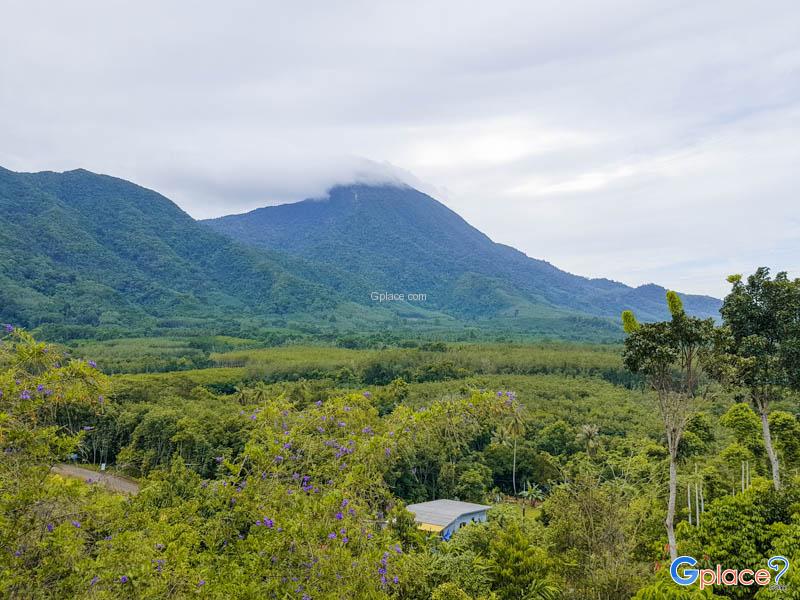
(763, 411)
(514, 469)
(689, 501)
(697, 504)
(673, 493)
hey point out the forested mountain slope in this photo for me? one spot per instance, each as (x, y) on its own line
(82, 249)
(398, 239)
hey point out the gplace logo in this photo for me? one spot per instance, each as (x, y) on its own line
(683, 573)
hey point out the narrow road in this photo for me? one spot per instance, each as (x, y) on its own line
(112, 482)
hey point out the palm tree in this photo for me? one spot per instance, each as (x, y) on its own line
(532, 493)
(541, 590)
(507, 435)
(516, 428)
(260, 393)
(589, 437)
(242, 395)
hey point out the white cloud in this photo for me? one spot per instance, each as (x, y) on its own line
(632, 140)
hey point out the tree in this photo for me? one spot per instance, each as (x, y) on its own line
(759, 347)
(35, 382)
(473, 483)
(449, 591)
(532, 493)
(588, 436)
(669, 355)
(515, 428)
(517, 566)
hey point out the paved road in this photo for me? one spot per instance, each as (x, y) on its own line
(112, 482)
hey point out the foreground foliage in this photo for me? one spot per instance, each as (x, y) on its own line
(297, 489)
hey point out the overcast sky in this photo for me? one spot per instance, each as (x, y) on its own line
(641, 141)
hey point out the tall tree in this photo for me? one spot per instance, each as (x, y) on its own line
(669, 355)
(759, 346)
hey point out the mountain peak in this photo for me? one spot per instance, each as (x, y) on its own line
(395, 237)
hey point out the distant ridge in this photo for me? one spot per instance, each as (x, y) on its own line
(87, 255)
(397, 238)
(80, 250)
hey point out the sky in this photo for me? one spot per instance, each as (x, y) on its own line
(640, 141)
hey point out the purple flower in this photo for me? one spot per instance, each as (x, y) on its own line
(318, 403)
(345, 502)
(9, 328)
(50, 528)
(92, 364)
(25, 395)
(367, 395)
(339, 516)
(396, 579)
(269, 523)
(76, 524)
(39, 387)
(94, 580)
(201, 583)
(332, 535)
(278, 459)
(87, 427)
(387, 451)
(124, 579)
(218, 459)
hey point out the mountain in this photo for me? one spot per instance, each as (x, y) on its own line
(396, 239)
(85, 251)
(88, 255)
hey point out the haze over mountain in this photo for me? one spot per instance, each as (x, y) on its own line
(82, 253)
(399, 240)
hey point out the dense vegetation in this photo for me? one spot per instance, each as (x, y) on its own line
(86, 256)
(283, 471)
(397, 239)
